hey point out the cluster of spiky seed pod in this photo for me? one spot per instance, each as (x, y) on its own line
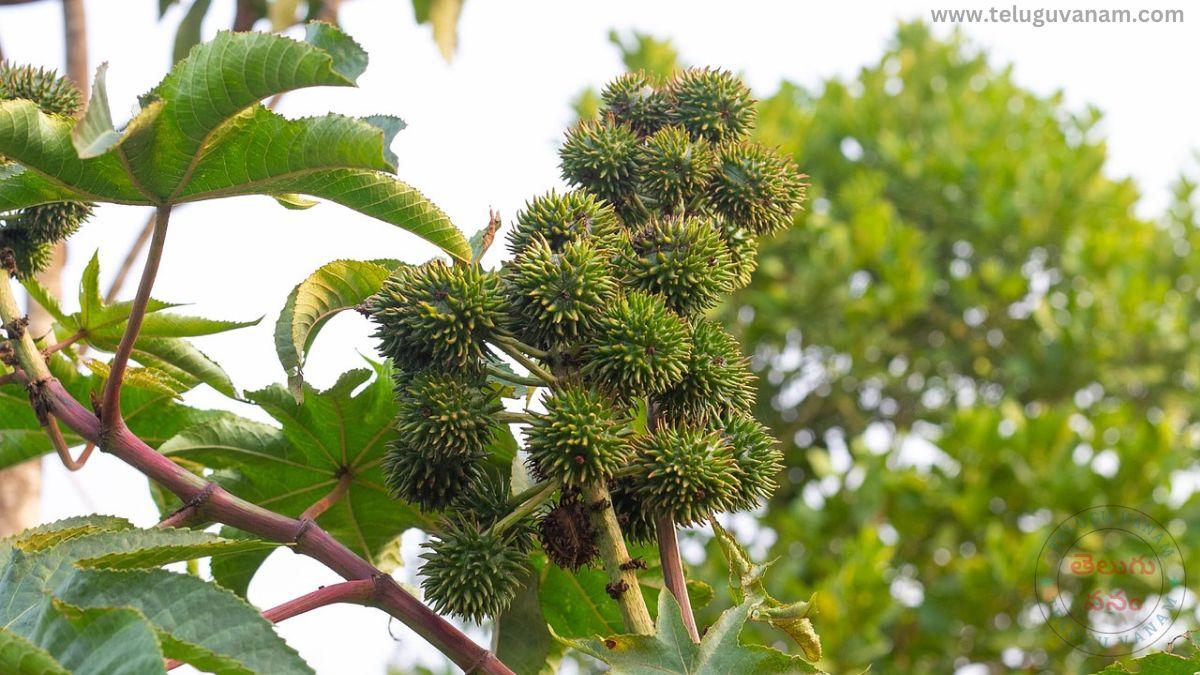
(603, 301)
(31, 233)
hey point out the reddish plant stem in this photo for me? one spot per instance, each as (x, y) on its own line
(358, 591)
(110, 405)
(60, 446)
(323, 504)
(64, 344)
(668, 553)
(307, 537)
(130, 259)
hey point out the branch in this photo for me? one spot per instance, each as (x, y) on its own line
(215, 503)
(110, 406)
(513, 378)
(358, 591)
(130, 260)
(525, 361)
(323, 504)
(527, 506)
(623, 582)
(60, 446)
(79, 335)
(668, 552)
(75, 33)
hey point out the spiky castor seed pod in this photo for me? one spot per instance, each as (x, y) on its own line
(470, 572)
(711, 104)
(438, 315)
(718, 378)
(51, 222)
(675, 169)
(756, 188)
(578, 437)
(431, 483)
(685, 261)
(487, 502)
(567, 534)
(602, 157)
(55, 95)
(758, 457)
(563, 218)
(29, 255)
(448, 415)
(557, 298)
(633, 99)
(743, 253)
(687, 472)
(640, 347)
(637, 524)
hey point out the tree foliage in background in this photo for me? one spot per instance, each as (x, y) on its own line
(969, 336)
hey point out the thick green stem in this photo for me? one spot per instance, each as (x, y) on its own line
(528, 349)
(506, 417)
(513, 378)
(543, 492)
(623, 582)
(527, 362)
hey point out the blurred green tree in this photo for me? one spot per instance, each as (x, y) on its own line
(970, 336)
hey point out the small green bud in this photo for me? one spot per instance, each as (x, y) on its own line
(446, 415)
(758, 458)
(632, 99)
(603, 158)
(755, 188)
(578, 437)
(686, 472)
(641, 347)
(675, 170)
(557, 298)
(683, 260)
(470, 572)
(714, 105)
(718, 378)
(437, 314)
(561, 219)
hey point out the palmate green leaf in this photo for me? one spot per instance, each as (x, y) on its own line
(61, 585)
(520, 638)
(670, 649)
(330, 434)
(201, 134)
(335, 287)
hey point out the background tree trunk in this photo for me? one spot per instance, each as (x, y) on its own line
(20, 486)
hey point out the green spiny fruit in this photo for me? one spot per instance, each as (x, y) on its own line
(561, 219)
(447, 415)
(431, 483)
(470, 572)
(686, 472)
(632, 99)
(578, 438)
(683, 260)
(755, 188)
(637, 523)
(711, 104)
(51, 223)
(758, 458)
(675, 170)
(53, 94)
(29, 255)
(488, 501)
(567, 534)
(438, 314)
(603, 158)
(641, 347)
(556, 298)
(717, 379)
(743, 254)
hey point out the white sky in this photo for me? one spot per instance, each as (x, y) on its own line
(482, 133)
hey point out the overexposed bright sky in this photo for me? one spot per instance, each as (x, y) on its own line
(482, 132)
